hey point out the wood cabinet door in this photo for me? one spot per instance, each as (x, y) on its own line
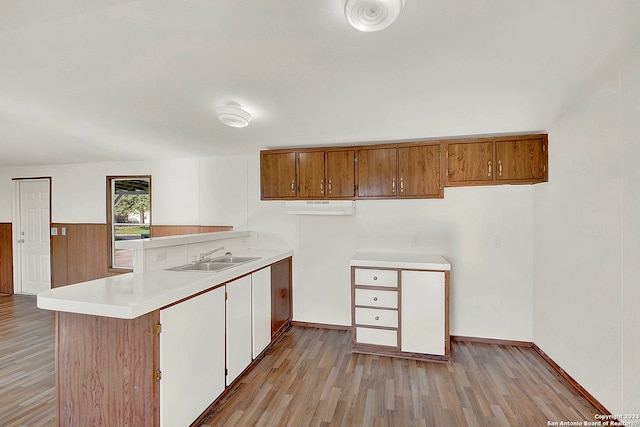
(521, 160)
(340, 174)
(311, 184)
(419, 171)
(470, 163)
(278, 175)
(280, 295)
(377, 172)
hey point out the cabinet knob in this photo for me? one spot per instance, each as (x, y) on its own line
(375, 277)
(377, 317)
(375, 298)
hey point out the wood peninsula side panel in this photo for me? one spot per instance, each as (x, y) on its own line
(105, 370)
(281, 301)
(6, 259)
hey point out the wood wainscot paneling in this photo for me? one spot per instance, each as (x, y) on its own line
(175, 230)
(6, 259)
(79, 252)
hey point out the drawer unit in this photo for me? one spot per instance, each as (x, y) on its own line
(376, 298)
(371, 277)
(400, 305)
(377, 317)
(372, 336)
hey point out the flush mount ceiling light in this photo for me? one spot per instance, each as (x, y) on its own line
(233, 115)
(372, 15)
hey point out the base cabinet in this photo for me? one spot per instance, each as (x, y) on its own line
(192, 359)
(238, 323)
(400, 312)
(170, 366)
(260, 310)
(423, 312)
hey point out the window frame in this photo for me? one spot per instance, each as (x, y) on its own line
(110, 218)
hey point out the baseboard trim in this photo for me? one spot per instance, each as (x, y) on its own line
(571, 381)
(320, 325)
(492, 341)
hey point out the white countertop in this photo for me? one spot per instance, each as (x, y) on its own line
(400, 260)
(182, 239)
(130, 295)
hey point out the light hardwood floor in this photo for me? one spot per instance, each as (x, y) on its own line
(310, 378)
(27, 363)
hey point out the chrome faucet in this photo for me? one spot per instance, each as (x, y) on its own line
(205, 255)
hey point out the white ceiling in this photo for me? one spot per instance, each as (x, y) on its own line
(103, 80)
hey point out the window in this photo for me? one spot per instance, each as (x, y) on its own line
(129, 213)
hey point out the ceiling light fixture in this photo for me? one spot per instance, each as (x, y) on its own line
(233, 115)
(372, 15)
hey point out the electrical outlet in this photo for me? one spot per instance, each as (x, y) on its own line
(497, 241)
(160, 256)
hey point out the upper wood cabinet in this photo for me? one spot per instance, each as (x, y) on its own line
(307, 174)
(403, 171)
(340, 174)
(419, 171)
(311, 184)
(521, 160)
(278, 175)
(412, 170)
(504, 160)
(377, 172)
(470, 163)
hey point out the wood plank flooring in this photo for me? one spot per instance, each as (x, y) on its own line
(27, 363)
(310, 378)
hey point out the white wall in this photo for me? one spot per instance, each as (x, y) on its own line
(586, 257)
(491, 287)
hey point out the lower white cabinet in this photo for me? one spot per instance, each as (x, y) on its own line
(400, 305)
(260, 310)
(423, 312)
(238, 327)
(192, 357)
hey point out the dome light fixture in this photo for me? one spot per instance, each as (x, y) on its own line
(372, 15)
(233, 115)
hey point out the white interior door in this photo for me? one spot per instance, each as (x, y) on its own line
(33, 236)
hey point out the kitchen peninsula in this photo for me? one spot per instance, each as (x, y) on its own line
(159, 347)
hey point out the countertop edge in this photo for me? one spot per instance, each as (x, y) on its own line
(401, 261)
(71, 300)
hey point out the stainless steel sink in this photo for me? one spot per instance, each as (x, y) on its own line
(213, 265)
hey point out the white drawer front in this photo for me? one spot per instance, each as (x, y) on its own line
(377, 337)
(376, 317)
(375, 298)
(370, 277)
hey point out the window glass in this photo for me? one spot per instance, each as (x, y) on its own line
(130, 216)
